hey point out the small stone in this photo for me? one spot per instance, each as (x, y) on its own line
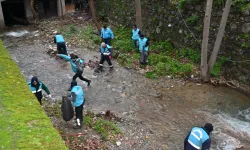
(131, 111)
(233, 26)
(180, 31)
(246, 12)
(124, 113)
(247, 19)
(118, 143)
(141, 71)
(158, 30)
(245, 27)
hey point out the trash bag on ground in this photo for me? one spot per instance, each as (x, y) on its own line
(67, 109)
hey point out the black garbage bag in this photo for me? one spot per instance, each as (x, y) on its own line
(67, 109)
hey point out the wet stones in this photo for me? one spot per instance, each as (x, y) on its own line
(233, 26)
(245, 27)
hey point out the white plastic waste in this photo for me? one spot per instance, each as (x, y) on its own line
(17, 33)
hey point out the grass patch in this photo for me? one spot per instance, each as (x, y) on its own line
(191, 54)
(107, 129)
(128, 59)
(192, 19)
(23, 122)
(163, 59)
(123, 41)
(165, 65)
(53, 109)
(216, 71)
(81, 36)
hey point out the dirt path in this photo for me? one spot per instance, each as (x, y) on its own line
(156, 114)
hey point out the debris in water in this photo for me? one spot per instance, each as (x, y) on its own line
(17, 34)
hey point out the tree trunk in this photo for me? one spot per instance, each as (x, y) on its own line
(138, 14)
(35, 15)
(220, 35)
(204, 66)
(93, 14)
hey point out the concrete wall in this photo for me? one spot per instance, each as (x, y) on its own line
(27, 8)
(1, 16)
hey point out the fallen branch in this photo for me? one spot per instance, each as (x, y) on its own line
(222, 81)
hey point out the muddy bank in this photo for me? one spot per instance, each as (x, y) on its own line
(156, 114)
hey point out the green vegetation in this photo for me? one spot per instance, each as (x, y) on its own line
(217, 67)
(245, 44)
(53, 109)
(79, 35)
(164, 47)
(107, 129)
(163, 58)
(191, 54)
(192, 19)
(165, 65)
(128, 59)
(183, 3)
(122, 41)
(23, 122)
(219, 3)
(241, 5)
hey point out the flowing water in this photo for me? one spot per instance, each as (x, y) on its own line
(164, 110)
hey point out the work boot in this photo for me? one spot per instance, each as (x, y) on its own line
(77, 127)
(98, 69)
(78, 124)
(111, 68)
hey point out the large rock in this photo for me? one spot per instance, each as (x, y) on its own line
(245, 27)
(233, 26)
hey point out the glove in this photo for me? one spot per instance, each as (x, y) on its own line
(50, 96)
(110, 57)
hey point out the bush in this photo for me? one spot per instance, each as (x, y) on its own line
(165, 65)
(216, 71)
(192, 19)
(192, 55)
(123, 41)
(165, 47)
